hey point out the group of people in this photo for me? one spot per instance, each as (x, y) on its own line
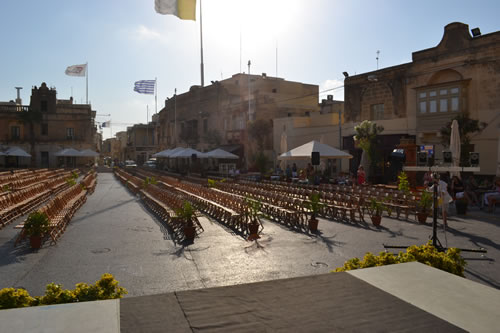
(468, 190)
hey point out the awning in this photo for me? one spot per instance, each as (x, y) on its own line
(16, 151)
(68, 152)
(221, 154)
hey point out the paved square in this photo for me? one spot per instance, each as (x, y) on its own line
(114, 233)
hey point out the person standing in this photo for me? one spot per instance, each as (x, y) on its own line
(444, 197)
(361, 175)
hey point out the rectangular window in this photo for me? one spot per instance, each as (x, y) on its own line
(443, 105)
(432, 93)
(423, 107)
(422, 95)
(15, 132)
(432, 106)
(43, 106)
(454, 104)
(443, 91)
(70, 133)
(377, 112)
(45, 129)
(454, 90)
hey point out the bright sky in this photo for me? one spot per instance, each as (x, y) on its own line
(126, 40)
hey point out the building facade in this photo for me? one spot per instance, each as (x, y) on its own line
(60, 124)
(220, 115)
(414, 101)
(141, 142)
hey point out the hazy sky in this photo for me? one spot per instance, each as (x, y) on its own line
(126, 40)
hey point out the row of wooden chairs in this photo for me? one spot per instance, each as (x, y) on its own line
(90, 182)
(60, 210)
(16, 204)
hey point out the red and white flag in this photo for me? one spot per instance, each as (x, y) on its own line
(76, 70)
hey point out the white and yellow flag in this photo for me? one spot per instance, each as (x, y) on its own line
(183, 9)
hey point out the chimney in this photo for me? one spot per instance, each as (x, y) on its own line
(19, 101)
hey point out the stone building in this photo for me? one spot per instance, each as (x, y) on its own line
(62, 124)
(141, 143)
(321, 126)
(415, 100)
(220, 115)
(122, 144)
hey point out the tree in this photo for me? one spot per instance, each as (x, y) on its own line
(367, 139)
(466, 127)
(31, 117)
(260, 131)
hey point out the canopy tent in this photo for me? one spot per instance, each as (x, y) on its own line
(68, 152)
(186, 153)
(170, 152)
(88, 153)
(304, 152)
(16, 151)
(221, 154)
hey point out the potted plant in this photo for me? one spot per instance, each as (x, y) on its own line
(424, 206)
(186, 213)
(36, 225)
(461, 206)
(252, 214)
(375, 210)
(313, 205)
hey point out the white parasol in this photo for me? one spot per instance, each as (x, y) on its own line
(455, 146)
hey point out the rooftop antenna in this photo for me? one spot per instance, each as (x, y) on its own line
(378, 53)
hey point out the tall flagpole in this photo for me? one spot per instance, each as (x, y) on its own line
(201, 43)
(87, 83)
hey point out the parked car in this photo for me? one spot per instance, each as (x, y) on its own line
(150, 164)
(130, 164)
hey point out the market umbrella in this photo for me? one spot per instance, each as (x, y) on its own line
(68, 152)
(172, 152)
(455, 146)
(162, 153)
(304, 152)
(88, 153)
(16, 151)
(221, 154)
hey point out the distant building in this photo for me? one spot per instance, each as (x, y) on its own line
(62, 124)
(321, 126)
(415, 100)
(141, 142)
(220, 115)
(122, 141)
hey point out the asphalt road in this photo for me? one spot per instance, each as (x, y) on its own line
(114, 233)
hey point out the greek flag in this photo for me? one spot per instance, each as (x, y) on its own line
(145, 87)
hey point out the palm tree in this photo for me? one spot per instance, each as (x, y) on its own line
(31, 117)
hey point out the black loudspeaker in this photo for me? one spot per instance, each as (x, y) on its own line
(447, 157)
(315, 158)
(422, 158)
(474, 158)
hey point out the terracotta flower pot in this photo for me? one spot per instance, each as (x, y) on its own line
(376, 219)
(313, 224)
(461, 207)
(253, 228)
(36, 242)
(189, 233)
(422, 217)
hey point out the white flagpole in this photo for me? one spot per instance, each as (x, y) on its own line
(87, 81)
(201, 44)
